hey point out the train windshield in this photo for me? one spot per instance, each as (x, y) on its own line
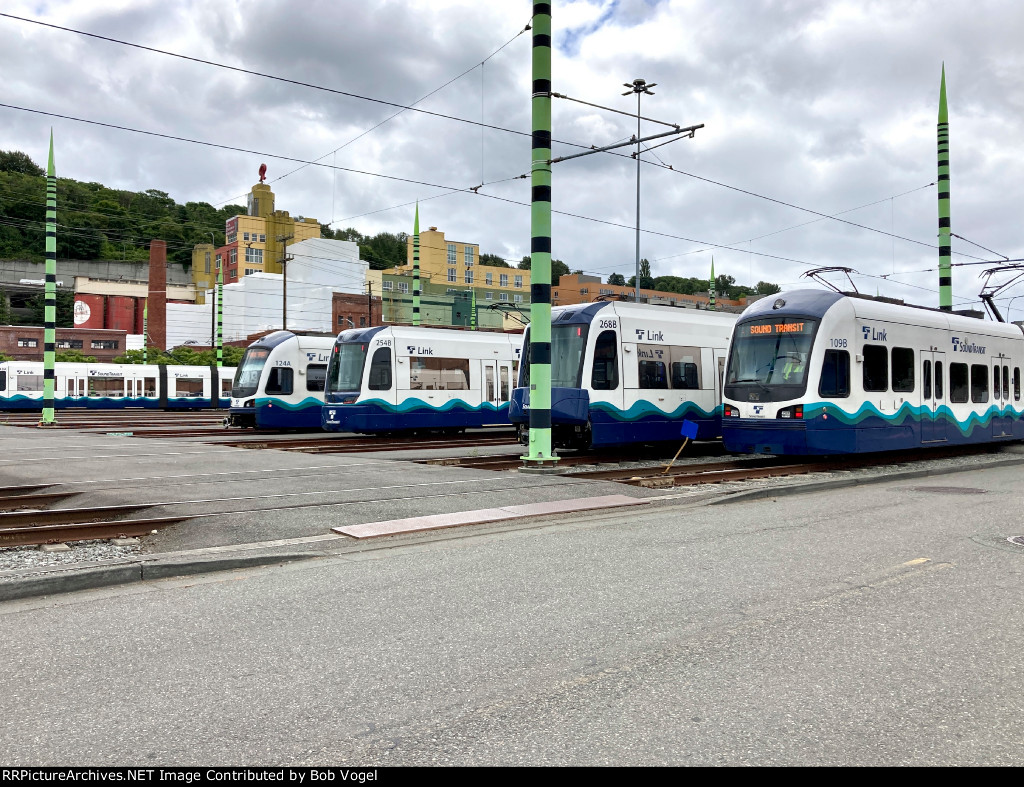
(567, 345)
(247, 376)
(345, 373)
(769, 358)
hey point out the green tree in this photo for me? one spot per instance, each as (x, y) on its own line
(494, 260)
(617, 278)
(73, 356)
(16, 161)
(65, 312)
(767, 288)
(385, 250)
(558, 269)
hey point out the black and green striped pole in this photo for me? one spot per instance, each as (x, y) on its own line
(416, 268)
(50, 302)
(145, 331)
(220, 318)
(711, 287)
(945, 244)
(539, 453)
(472, 308)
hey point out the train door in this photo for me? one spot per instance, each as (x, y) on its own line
(933, 397)
(719, 375)
(1001, 421)
(496, 377)
(75, 386)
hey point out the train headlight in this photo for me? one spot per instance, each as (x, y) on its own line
(795, 411)
(249, 403)
(728, 411)
(349, 400)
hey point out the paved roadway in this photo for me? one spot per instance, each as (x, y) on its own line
(877, 625)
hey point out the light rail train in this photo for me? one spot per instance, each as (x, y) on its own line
(280, 382)
(397, 378)
(819, 372)
(110, 386)
(624, 373)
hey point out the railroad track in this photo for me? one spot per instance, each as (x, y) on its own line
(22, 524)
(316, 444)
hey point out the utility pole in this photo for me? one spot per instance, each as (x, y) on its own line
(639, 86)
(369, 304)
(283, 239)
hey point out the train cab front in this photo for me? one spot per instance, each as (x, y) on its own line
(242, 412)
(342, 411)
(763, 410)
(569, 413)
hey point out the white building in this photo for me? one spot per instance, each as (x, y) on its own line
(316, 269)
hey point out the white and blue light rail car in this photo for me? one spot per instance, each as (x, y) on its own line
(111, 386)
(625, 373)
(818, 372)
(280, 382)
(397, 378)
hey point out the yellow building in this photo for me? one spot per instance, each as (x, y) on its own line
(254, 243)
(457, 265)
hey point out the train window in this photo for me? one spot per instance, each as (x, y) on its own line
(316, 377)
(835, 375)
(605, 375)
(1006, 382)
(938, 379)
(3, 381)
(503, 380)
(380, 370)
(1016, 383)
(489, 383)
(651, 374)
(995, 383)
(926, 378)
(902, 369)
(225, 387)
(685, 368)
(979, 383)
(958, 387)
(106, 386)
(876, 367)
(280, 381)
(567, 345)
(30, 382)
(149, 386)
(439, 374)
(188, 387)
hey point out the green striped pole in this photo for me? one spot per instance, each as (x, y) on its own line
(945, 244)
(50, 296)
(540, 455)
(416, 268)
(145, 331)
(472, 308)
(711, 287)
(220, 318)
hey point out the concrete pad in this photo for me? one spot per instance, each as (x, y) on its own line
(437, 521)
(54, 548)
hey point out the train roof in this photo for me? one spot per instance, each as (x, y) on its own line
(815, 303)
(585, 312)
(420, 333)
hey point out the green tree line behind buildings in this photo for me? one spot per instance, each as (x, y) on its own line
(96, 222)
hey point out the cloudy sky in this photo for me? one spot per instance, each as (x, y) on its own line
(827, 106)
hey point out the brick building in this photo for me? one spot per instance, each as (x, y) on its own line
(354, 311)
(25, 343)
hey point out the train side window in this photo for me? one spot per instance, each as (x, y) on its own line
(938, 379)
(1006, 382)
(149, 386)
(3, 380)
(105, 386)
(995, 382)
(1016, 383)
(958, 386)
(876, 367)
(902, 369)
(926, 378)
(29, 382)
(380, 370)
(685, 368)
(651, 374)
(835, 375)
(316, 377)
(605, 375)
(225, 387)
(979, 383)
(280, 381)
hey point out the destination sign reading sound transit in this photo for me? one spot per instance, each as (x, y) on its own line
(775, 328)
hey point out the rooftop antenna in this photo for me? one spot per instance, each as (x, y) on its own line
(818, 275)
(989, 290)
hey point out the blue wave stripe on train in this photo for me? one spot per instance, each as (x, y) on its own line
(378, 415)
(273, 413)
(18, 402)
